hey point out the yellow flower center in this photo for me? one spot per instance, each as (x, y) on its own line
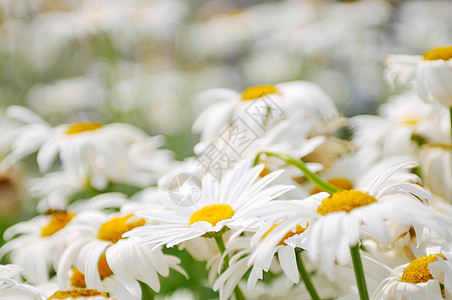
(82, 127)
(103, 267)
(345, 201)
(341, 183)
(444, 53)
(58, 221)
(256, 92)
(113, 229)
(78, 279)
(76, 294)
(212, 214)
(417, 271)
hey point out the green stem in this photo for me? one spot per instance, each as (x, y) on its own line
(306, 277)
(359, 273)
(238, 294)
(324, 186)
(221, 246)
(220, 243)
(146, 291)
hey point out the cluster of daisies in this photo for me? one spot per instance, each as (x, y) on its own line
(284, 198)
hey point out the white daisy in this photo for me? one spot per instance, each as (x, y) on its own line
(432, 72)
(391, 132)
(37, 245)
(222, 204)
(344, 217)
(108, 261)
(299, 100)
(412, 281)
(102, 153)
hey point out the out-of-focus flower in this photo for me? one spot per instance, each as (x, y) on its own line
(12, 289)
(430, 72)
(37, 245)
(298, 100)
(102, 153)
(391, 133)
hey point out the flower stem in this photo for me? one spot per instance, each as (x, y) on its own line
(306, 277)
(324, 186)
(220, 243)
(146, 291)
(359, 273)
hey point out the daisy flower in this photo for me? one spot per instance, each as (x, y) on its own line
(109, 262)
(300, 100)
(412, 281)
(431, 73)
(342, 218)
(391, 132)
(224, 204)
(37, 245)
(102, 153)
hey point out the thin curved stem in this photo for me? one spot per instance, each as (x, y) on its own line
(359, 273)
(306, 277)
(324, 186)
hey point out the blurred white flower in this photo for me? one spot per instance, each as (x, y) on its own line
(430, 73)
(11, 287)
(37, 245)
(391, 132)
(102, 153)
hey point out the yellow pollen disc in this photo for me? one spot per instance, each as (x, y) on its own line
(76, 294)
(345, 201)
(417, 271)
(113, 229)
(212, 214)
(59, 221)
(444, 53)
(256, 92)
(103, 267)
(78, 279)
(341, 183)
(82, 127)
